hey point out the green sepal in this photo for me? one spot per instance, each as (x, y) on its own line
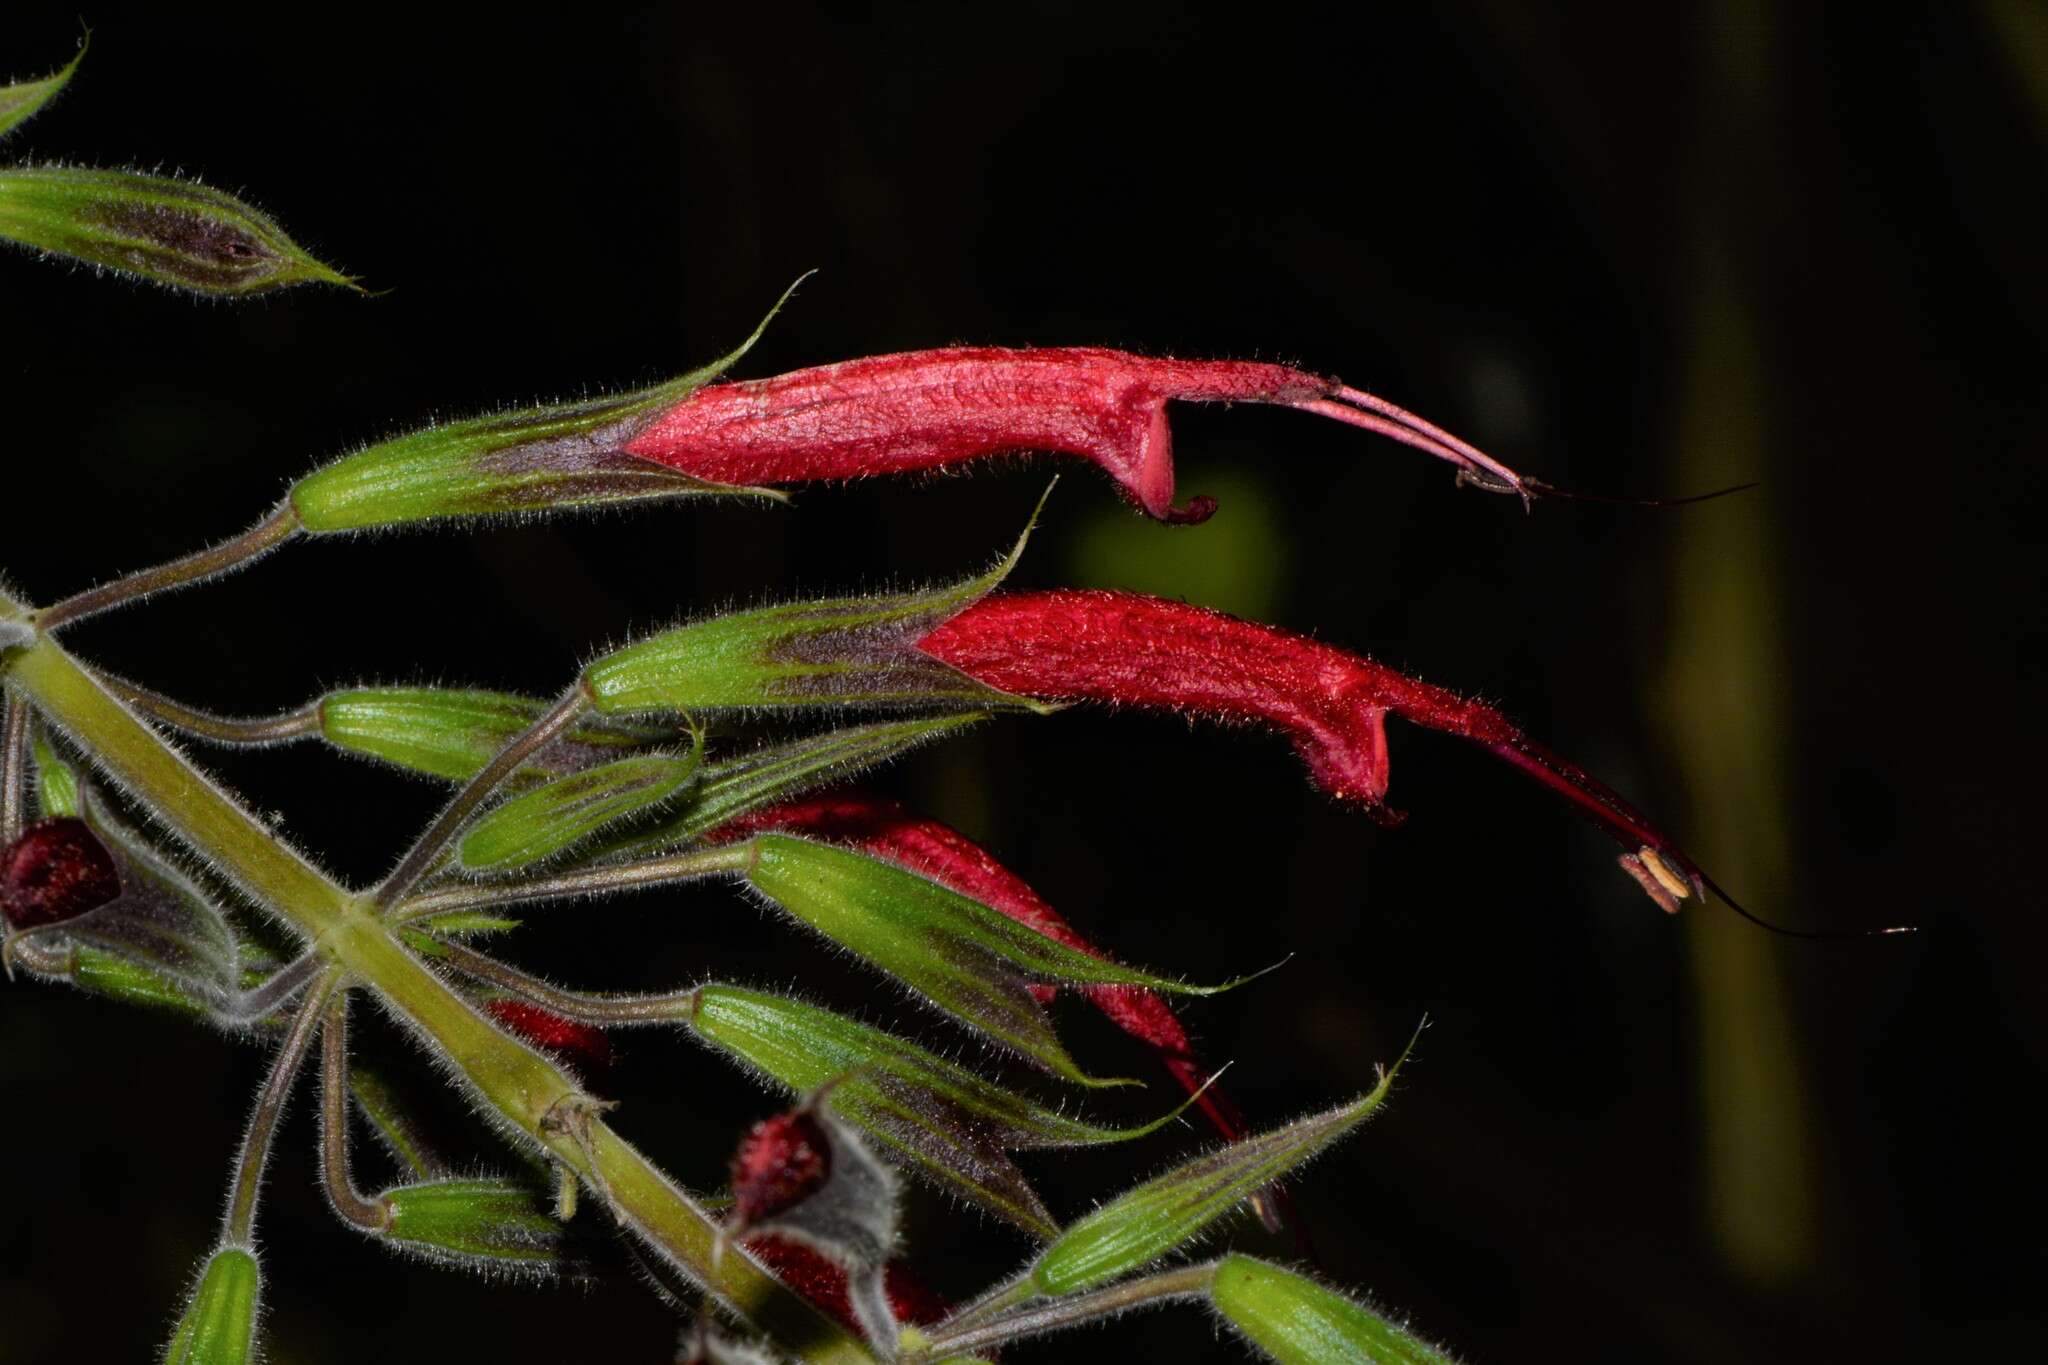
(394, 1127)
(562, 456)
(933, 1117)
(23, 100)
(219, 1323)
(56, 780)
(496, 1221)
(170, 232)
(969, 960)
(451, 733)
(554, 818)
(1296, 1321)
(1164, 1214)
(849, 651)
(730, 788)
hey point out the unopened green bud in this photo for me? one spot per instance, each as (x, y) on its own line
(56, 781)
(1296, 1321)
(219, 1325)
(23, 100)
(104, 973)
(967, 958)
(1160, 1216)
(563, 813)
(171, 232)
(452, 734)
(501, 1222)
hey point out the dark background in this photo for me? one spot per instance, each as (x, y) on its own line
(1641, 251)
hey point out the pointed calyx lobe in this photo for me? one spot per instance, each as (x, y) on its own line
(882, 828)
(1145, 651)
(933, 409)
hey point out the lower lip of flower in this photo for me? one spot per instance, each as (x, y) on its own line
(1133, 650)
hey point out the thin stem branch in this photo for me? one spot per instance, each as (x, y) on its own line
(274, 530)
(354, 1208)
(421, 858)
(527, 1090)
(578, 1005)
(13, 769)
(240, 1224)
(1189, 1282)
(252, 731)
(1011, 1293)
(595, 881)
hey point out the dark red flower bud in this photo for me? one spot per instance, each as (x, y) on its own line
(780, 1163)
(1145, 651)
(576, 1042)
(931, 409)
(57, 870)
(821, 1280)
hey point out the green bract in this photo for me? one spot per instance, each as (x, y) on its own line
(23, 100)
(1160, 1216)
(842, 652)
(971, 961)
(452, 734)
(497, 1221)
(568, 455)
(938, 1119)
(556, 817)
(171, 232)
(1298, 1322)
(219, 1324)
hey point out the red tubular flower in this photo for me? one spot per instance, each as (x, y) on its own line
(884, 829)
(1145, 651)
(817, 1278)
(580, 1043)
(932, 409)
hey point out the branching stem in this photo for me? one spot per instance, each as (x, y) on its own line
(577, 1005)
(422, 857)
(595, 881)
(354, 1208)
(240, 1224)
(232, 730)
(259, 540)
(13, 769)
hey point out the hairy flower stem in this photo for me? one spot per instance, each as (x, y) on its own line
(424, 854)
(580, 1006)
(523, 1090)
(13, 770)
(254, 731)
(596, 881)
(350, 1205)
(259, 540)
(240, 1225)
(1189, 1282)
